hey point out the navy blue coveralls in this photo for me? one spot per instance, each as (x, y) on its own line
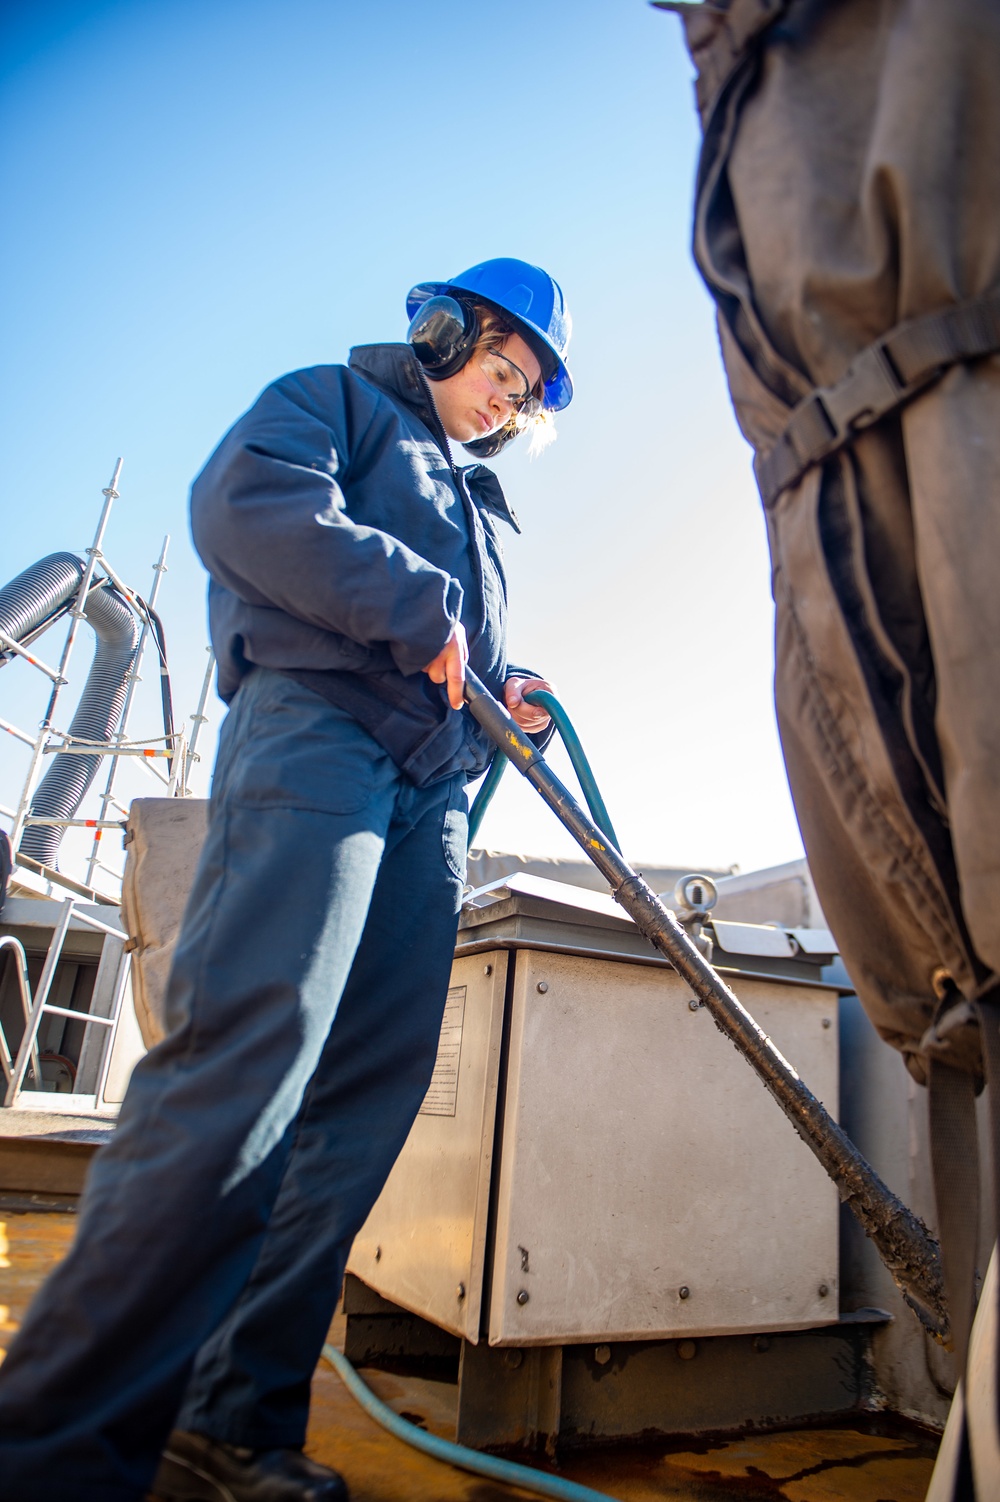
(309, 981)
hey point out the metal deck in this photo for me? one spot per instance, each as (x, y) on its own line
(869, 1459)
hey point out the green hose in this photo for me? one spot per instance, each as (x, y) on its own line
(457, 1455)
(487, 788)
(577, 756)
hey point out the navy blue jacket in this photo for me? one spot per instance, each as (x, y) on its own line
(343, 545)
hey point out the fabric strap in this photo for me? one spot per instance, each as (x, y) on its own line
(885, 375)
(971, 1439)
(955, 1160)
(989, 1022)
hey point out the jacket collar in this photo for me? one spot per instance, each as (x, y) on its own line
(488, 492)
(395, 369)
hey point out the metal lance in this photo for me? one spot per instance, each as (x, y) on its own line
(904, 1243)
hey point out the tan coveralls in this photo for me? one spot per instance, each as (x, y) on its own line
(849, 182)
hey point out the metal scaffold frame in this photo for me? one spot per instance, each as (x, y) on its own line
(180, 753)
(37, 1007)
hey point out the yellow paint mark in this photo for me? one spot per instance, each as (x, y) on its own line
(519, 746)
(4, 1245)
(596, 844)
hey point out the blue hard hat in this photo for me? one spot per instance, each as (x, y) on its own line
(533, 298)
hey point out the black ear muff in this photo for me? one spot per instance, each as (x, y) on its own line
(443, 332)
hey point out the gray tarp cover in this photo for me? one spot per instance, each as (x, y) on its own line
(850, 179)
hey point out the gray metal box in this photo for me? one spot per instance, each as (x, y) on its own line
(594, 1161)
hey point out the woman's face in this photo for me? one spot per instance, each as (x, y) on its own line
(470, 404)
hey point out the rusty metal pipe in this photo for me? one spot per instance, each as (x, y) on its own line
(903, 1241)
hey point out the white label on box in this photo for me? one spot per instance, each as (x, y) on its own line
(442, 1094)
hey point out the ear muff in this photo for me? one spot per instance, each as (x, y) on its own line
(443, 333)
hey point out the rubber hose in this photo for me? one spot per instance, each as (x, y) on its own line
(463, 1459)
(483, 798)
(166, 697)
(578, 757)
(27, 602)
(66, 783)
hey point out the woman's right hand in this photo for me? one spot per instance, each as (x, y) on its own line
(449, 665)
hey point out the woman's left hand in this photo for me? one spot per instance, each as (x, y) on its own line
(530, 717)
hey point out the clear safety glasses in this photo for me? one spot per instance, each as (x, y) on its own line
(509, 381)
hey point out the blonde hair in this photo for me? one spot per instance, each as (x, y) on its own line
(494, 331)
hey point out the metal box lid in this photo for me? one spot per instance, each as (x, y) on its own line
(531, 912)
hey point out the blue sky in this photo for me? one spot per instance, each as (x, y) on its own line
(201, 194)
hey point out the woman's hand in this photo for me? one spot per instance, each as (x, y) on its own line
(530, 717)
(449, 665)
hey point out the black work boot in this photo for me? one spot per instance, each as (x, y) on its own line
(195, 1468)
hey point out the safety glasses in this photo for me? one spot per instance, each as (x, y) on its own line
(509, 381)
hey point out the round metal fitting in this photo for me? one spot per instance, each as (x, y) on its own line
(378, 1254)
(694, 1004)
(460, 1292)
(602, 1355)
(523, 1296)
(487, 969)
(684, 1292)
(512, 1359)
(696, 894)
(827, 1021)
(823, 1290)
(542, 986)
(687, 1350)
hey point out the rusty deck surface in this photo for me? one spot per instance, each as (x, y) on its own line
(872, 1461)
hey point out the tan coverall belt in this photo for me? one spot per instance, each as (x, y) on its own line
(885, 375)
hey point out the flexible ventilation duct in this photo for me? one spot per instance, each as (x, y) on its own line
(40, 595)
(36, 598)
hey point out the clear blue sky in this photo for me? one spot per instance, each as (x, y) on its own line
(201, 194)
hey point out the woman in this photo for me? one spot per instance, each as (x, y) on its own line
(355, 569)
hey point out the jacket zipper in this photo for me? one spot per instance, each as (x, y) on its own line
(469, 506)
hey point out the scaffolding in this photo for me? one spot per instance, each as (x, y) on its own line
(175, 748)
